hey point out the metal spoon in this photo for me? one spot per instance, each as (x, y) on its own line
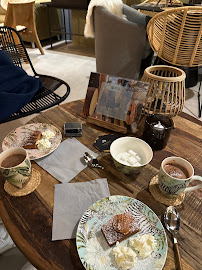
(91, 161)
(172, 223)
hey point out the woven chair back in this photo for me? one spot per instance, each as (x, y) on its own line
(17, 51)
(176, 36)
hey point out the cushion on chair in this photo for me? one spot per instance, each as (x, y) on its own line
(2, 11)
(16, 87)
(2, 18)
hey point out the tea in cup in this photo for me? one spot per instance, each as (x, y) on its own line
(175, 175)
(15, 166)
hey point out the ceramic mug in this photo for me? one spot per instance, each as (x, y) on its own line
(169, 181)
(15, 166)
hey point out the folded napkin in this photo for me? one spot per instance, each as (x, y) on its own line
(71, 200)
(65, 162)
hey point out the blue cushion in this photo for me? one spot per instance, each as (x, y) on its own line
(16, 87)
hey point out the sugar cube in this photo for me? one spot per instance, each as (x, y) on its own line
(132, 160)
(132, 153)
(124, 156)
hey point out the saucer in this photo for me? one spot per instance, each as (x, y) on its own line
(168, 200)
(27, 188)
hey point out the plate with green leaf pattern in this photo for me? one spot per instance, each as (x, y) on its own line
(93, 250)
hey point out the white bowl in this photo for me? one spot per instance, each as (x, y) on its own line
(124, 144)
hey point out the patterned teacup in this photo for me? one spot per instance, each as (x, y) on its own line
(15, 166)
(175, 175)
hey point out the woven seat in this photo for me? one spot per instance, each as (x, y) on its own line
(46, 97)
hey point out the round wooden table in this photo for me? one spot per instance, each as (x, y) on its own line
(28, 219)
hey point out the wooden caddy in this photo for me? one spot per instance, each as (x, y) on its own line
(90, 103)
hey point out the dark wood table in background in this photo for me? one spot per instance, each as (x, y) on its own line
(29, 219)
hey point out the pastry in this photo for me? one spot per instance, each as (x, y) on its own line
(30, 143)
(119, 227)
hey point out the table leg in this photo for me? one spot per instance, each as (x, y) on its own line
(199, 101)
(64, 20)
(49, 27)
(70, 26)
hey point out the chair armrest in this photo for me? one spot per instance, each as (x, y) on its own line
(110, 25)
(135, 16)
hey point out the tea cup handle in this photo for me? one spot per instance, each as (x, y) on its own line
(195, 177)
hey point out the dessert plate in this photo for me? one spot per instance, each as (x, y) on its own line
(93, 250)
(17, 137)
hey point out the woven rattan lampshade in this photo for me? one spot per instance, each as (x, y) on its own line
(166, 93)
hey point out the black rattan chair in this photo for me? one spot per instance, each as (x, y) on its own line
(46, 96)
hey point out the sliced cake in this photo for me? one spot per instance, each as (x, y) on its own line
(119, 227)
(30, 143)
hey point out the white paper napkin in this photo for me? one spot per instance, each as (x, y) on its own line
(65, 162)
(71, 200)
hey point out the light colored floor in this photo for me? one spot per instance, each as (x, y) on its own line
(75, 70)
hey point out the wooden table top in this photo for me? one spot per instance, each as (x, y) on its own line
(29, 219)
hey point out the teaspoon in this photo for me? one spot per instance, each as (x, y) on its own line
(172, 223)
(91, 161)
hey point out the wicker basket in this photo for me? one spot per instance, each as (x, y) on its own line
(166, 93)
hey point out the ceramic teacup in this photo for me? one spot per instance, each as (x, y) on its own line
(175, 175)
(15, 166)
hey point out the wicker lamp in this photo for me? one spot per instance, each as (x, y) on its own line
(166, 93)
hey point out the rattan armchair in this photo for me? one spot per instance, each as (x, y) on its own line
(176, 37)
(46, 96)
